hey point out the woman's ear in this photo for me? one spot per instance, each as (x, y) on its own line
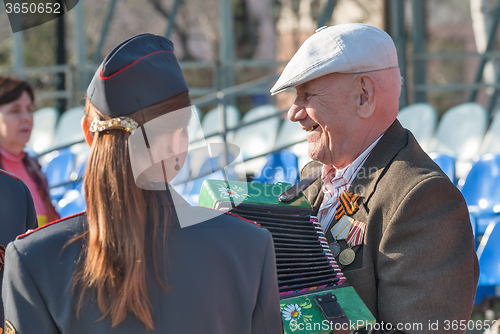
(366, 103)
(89, 137)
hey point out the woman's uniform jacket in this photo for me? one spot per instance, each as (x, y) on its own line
(221, 274)
(17, 215)
(35, 172)
(417, 263)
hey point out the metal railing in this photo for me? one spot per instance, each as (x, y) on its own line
(219, 98)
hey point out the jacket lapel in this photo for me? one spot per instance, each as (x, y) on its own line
(313, 193)
(367, 178)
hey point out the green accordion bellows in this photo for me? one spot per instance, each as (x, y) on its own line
(306, 268)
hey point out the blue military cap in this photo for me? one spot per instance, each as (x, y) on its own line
(138, 73)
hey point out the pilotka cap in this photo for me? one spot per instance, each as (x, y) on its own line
(138, 73)
(344, 48)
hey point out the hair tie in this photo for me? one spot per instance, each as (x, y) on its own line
(118, 123)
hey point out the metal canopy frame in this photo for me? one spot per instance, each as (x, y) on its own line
(420, 56)
(80, 73)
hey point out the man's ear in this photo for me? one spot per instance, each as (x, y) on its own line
(366, 103)
(85, 127)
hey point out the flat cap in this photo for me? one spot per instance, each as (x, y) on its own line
(138, 73)
(344, 48)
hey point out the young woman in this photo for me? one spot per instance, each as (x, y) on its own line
(127, 265)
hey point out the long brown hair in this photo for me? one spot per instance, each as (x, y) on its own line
(114, 256)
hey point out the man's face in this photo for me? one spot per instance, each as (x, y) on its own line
(326, 109)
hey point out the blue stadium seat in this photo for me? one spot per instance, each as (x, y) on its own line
(211, 123)
(281, 166)
(44, 125)
(58, 170)
(488, 254)
(481, 191)
(68, 129)
(491, 141)
(473, 223)
(446, 163)
(80, 165)
(460, 133)
(258, 138)
(420, 119)
(292, 136)
(213, 167)
(73, 202)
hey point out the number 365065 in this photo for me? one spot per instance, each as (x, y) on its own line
(33, 8)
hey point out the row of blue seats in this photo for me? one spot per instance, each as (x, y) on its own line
(65, 170)
(481, 188)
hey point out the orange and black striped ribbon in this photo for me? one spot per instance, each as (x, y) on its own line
(348, 204)
(2, 256)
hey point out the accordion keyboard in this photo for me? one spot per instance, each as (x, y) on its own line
(303, 259)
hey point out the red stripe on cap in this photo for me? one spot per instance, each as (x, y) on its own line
(248, 220)
(9, 174)
(48, 224)
(123, 69)
(233, 214)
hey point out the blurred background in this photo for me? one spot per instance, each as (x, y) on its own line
(231, 53)
(231, 42)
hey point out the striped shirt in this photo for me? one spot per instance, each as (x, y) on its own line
(336, 181)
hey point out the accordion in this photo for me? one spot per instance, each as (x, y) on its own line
(314, 295)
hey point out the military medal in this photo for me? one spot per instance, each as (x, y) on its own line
(9, 329)
(339, 232)
(334, 248)
(348, 204)
(356, 233)
(354, 238)
(2, 259)
(347, 256)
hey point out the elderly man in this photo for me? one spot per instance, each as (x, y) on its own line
(396, 224)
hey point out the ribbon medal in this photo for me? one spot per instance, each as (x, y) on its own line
(348, 204)
(340, 232)
(347, 228)
(354, 238)
(356, 233)
(2, 257)
(347, 256)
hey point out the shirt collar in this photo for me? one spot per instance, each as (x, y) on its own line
(334, 179)
(12, 156)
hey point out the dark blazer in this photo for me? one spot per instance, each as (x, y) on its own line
(417, 262)
(17, 213)
(221, 273)
(35, 172)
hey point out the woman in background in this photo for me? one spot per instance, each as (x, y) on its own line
(129, 264)
(16, 123)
